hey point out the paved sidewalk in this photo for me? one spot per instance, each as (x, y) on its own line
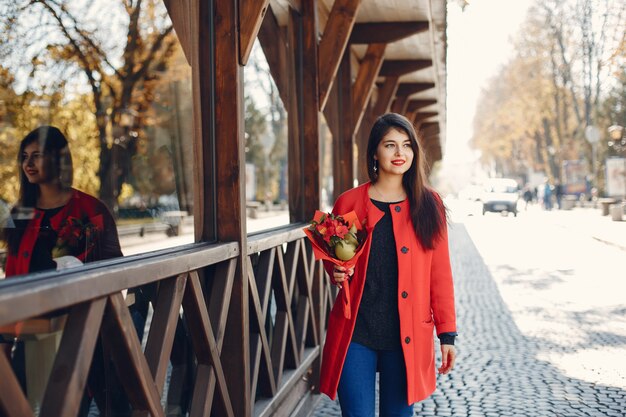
(589, 221)
(499, 372)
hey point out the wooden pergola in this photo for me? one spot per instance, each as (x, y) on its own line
(348, 60)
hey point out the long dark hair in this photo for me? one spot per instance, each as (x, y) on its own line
(54, 145)
(428, 212)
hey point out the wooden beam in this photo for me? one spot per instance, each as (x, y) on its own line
(164, 321)
(366, 78)
(404, 66)
(343, 165)
(421, 116)
(179, 12)
(13, 402)
(202, 75)
(334, 43)
(415, 105)
(66, 385)
(385, 94)
(406, 89)
(361, 137)
(294, 121)
(399, 104)
(385, 32)
(430, 128)
(274, 47)
(310, 108)
(251, 14)
(230, 195)
(331, 110)
(127, 356)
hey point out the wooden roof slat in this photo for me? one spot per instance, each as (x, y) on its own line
(399, 104)
(385, 32)
(180, 16)
(421, 116)
(250, 18)
(404, 66)
(334, 43)
(414, 105)
(385, 95)
(406, 89)
(366, 78)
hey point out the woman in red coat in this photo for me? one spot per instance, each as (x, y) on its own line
(51, 219)
(400, 288)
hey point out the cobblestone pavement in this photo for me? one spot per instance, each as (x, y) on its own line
(502, 370)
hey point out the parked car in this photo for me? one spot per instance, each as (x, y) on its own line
(500, 195)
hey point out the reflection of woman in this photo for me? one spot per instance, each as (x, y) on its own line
(51, 218)
(401, 287)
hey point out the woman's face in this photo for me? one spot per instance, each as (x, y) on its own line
(35, 164)
(394, 153)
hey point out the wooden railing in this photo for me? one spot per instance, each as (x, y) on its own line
(180, 368)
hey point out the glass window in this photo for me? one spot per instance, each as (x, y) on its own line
(119, 93)
(266, 147)
(326, 165)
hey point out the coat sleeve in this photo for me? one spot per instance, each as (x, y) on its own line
(442, 286)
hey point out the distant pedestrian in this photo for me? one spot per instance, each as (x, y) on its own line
(401, 288)
(547, 195)
(528, 196)
(558, 193)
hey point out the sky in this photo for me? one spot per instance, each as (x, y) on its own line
(479, 42)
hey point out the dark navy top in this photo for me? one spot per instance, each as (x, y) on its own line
(378, 321)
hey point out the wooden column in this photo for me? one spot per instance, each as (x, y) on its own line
(310, 170)
(200, 20)
(295, 152)
(343, 164)
(230, 213)
(361, 138)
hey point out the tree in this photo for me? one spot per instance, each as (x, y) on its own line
(536, 109)
(64, 44)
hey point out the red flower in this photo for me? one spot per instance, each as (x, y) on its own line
(332, 236)
(76, 237)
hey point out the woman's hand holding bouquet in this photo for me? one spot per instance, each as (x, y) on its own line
(339, 239)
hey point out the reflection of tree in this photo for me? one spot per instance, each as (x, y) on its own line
(21, 113)
(68, 41)
(256, 128)
(272, 145)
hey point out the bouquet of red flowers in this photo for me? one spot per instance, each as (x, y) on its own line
(339, 239)
(76, 237)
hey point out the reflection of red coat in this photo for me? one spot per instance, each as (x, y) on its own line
(81, 205)
(425, 298)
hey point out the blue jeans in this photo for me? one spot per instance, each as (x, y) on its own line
(357, 386)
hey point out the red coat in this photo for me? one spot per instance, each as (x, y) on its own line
(426, 278)
(81, 206)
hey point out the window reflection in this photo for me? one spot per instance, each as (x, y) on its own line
(266, 147)
(121, 94)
